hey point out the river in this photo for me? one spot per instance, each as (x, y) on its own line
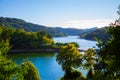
(46, 63)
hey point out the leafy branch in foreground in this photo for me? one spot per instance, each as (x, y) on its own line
(9, 70)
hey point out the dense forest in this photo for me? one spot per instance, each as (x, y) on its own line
(20, 39)
(100, 33)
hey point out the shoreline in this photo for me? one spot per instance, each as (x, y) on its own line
(33, 50)
(38, 50)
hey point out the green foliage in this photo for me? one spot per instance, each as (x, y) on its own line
(4, 48)
(70, 58)
(21, 24)
(99, 33)
(73, 75)
(11, 71)
(58, 44)
(74, 43)
(29, 71)
(89, 58)
(8, 70)
(20, 39)
(107, 59)
(104, 62)
(63, 44)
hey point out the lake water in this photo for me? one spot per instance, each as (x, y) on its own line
(46, 63)
(84, 44)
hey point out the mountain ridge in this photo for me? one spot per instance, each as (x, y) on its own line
(100, 33)
(28, 26)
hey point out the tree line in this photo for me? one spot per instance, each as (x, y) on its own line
(21, 39)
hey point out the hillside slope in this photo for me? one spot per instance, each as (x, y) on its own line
(100, 33)
(27, 26)
(73, 31)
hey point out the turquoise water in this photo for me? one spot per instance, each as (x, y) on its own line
(46, 63)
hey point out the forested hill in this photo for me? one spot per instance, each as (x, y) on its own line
(27, 26)
(100, 33)
(57, 31)
(73, 31)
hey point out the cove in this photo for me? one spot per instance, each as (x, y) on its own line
(46, 64)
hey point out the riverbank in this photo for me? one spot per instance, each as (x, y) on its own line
(34, 50)
(38, 50)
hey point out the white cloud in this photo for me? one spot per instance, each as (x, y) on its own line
(87, 23)
(81, 24)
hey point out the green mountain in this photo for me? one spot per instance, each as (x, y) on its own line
(100, 33)
(73, 31)
(27, 26)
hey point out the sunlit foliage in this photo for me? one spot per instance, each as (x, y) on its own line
(29, 71)
(9, 70)
(89, 58)
(70, 58)
(58, 44)
(4, 48)
(20, 39)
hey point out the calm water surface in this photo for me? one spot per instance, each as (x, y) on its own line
(84, 44)
(46, 63)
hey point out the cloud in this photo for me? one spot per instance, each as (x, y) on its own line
(86, 23)
(81, 24)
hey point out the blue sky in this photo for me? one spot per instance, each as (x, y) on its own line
(63, 13)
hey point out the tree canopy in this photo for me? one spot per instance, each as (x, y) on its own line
(9, 70)
(70, 58)
(20, 39)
